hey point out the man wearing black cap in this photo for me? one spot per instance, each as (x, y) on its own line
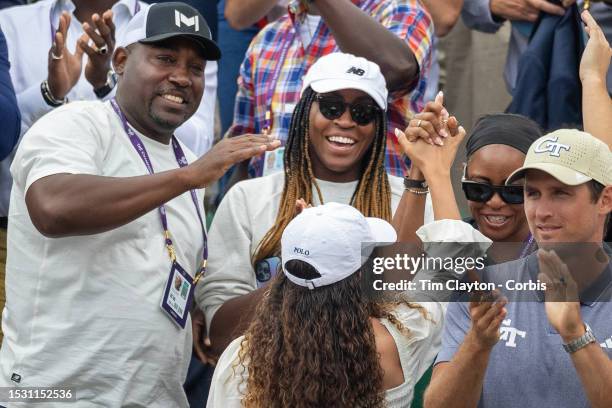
(106, 219)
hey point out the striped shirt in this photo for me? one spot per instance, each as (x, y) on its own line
(271, 74)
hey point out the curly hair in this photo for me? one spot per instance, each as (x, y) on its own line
(314, 348)
(372, 196)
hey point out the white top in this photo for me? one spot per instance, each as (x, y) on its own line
(85, 311)
(28, 36)
(416, 351)
(246, 213)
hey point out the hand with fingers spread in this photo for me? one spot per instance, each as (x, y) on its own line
(561, 295)
(229, 151)
(486, 316)
(98, 42)
(201, 342)
(596, 57)
(429, 124)
(64, 68)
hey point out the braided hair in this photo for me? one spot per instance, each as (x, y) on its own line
(372, 195)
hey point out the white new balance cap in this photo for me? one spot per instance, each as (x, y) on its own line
(338, 70)
(330, 238)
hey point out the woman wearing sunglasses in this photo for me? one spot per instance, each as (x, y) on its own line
(335, 152)
(495, 148)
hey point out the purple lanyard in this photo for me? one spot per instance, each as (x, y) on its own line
(182, 162)
(527, 246)
(53, 29)
(287, 41)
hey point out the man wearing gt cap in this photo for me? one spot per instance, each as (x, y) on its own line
(106, 214)
(551, 350)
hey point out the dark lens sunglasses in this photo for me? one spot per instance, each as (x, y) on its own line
(482, 192)
(362, 112)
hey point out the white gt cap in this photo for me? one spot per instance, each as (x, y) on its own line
(330, 238)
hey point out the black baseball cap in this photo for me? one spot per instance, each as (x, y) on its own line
(161, 21)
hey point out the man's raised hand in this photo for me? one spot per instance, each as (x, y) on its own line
(64, 68)
(98, 43)
(229, 151)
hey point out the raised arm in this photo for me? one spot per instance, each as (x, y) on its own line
(372, 41)
(242, 14)
(596, 102)
(79, 204)
(435, 159)
(444, 14)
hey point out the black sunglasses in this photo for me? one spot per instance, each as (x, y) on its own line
(482, 192)
(333, 107)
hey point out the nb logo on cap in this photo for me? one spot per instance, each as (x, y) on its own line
(301, 251)
(356, 71)
(550, 145)
(180, 19)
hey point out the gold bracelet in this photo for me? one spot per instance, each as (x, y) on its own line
(418, 191)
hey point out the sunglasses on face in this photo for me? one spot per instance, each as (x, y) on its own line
(483, 192)
(333, 107)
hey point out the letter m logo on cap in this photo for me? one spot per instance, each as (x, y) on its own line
(180, 19)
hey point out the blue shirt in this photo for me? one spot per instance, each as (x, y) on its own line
(10, 117)
(528, 367)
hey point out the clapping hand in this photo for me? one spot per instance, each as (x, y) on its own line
(561, 295)
(64, 68)
(98, 43)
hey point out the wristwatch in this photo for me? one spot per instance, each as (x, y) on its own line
(111, 81)
(411, 183)
(581, 342)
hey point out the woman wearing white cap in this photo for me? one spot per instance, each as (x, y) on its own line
(335, 152)
(317, 340)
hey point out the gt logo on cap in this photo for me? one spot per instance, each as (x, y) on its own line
(180, 19)
(550, 145)
(356, 71)
(301, 251)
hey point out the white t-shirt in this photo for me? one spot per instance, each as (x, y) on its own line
(28, 35)
(244, 216)
(85, 311)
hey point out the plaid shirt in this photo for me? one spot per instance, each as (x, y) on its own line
(271, 74)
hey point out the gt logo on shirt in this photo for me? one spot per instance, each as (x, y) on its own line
(508, 334)
(550, 145)
(356, 71)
